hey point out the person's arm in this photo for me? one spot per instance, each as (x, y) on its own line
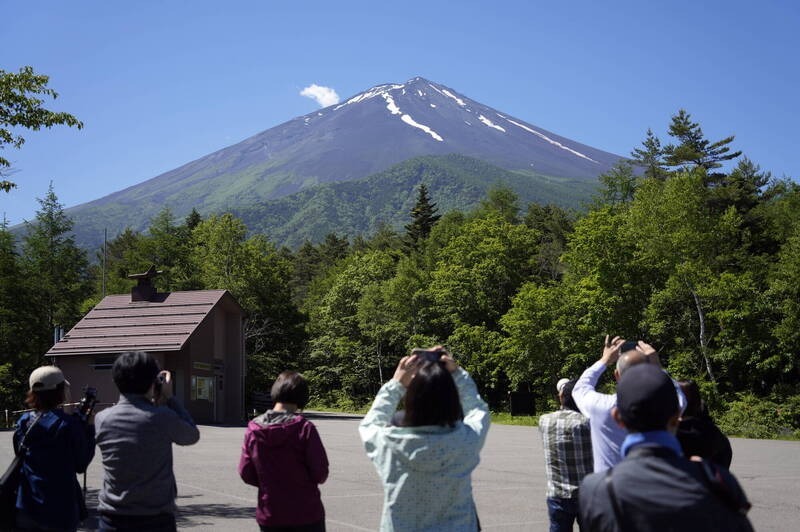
(247, 467)
(385, 403)
(654, 358)
(380, 414)
(181, 428)
(316, 457)
(476, 411)
(82, 440)
(588, 399)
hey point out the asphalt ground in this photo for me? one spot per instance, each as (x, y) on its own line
(508, 485)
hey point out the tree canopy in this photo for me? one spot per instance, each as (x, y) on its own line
(21, 107)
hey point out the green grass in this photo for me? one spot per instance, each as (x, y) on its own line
(504, 418)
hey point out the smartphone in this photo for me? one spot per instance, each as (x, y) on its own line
(427, 354)
(628, 345)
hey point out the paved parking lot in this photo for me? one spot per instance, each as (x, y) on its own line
(508, 484)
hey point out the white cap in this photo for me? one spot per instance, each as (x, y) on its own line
(46, 378)
(560, 384)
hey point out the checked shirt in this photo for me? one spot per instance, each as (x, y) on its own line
(567, 451)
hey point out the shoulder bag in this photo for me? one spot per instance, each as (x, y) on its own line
(9, 483)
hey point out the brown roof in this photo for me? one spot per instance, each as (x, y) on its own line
(118, 324)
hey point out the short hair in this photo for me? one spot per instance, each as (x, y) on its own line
(629, 359)
(135, 372)
(290, 387)
(567, 400)
(42, 400)
(432, 398)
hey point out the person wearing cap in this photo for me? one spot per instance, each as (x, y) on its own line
(655, 488)
(607, 436)
(58, 446)
(567, 445)
(135, 438)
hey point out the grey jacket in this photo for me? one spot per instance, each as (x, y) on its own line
(135, 439)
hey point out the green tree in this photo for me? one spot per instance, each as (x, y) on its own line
(21, 107)
(618, 184)
(423, 218)
(478, 272)
(554, 224)
(57, 268)
(502, 200)
(17, 324)
(650, 157)
(256, 274)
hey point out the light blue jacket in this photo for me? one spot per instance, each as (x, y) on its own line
(426, 470)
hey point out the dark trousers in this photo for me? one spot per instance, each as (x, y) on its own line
(313, 527)
(562, 512)
(137, 523)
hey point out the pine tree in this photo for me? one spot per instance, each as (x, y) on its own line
(192, 220)
(57, 268)
(423, 218)
(650, 157)
(693, 147)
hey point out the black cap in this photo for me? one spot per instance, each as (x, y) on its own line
(646, 398)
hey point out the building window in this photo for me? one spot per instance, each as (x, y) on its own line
(202, 388)
(102, 363)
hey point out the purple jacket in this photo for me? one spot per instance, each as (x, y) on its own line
(287, 462)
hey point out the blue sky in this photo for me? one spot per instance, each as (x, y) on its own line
(159, 84)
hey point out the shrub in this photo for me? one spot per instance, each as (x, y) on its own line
(754, 417)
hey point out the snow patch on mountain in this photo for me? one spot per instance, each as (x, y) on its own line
(373, 92)
(551, 141)
(410, 121)
(395, 110)
(490, 123)
(458, 100)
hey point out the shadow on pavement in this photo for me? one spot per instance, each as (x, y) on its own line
(187, 515)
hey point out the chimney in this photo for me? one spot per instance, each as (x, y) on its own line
(144, 289)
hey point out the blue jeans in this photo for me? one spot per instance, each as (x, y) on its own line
(562, 512)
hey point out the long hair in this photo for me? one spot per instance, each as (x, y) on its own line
(695, 406)
(44, 400)
(432, 398)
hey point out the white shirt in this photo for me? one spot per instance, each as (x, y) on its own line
(607, 436)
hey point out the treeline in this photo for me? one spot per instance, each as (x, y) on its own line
(703, 263)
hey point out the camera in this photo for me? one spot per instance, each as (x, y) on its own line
(427, 355)
(88, 401)
(159, 381)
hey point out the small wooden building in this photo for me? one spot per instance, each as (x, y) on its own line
(196, 335)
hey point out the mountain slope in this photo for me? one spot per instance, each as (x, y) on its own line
(360, 207)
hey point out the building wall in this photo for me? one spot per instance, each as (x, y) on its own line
(208, 372)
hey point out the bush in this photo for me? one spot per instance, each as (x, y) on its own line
(755, 417)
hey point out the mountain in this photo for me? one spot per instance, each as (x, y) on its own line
(364, 135)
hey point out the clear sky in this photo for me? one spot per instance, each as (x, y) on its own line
(158, 84)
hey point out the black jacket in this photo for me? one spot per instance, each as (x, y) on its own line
(699, 436)
(656, 490)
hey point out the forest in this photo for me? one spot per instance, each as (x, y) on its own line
(688, 245)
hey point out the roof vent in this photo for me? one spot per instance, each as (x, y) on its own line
(144, 289)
